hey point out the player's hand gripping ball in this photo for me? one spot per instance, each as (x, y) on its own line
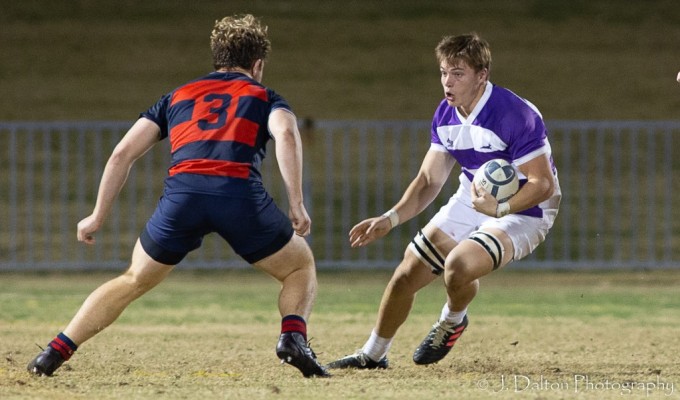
(498, 178)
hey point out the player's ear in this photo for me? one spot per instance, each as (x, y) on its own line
(484, 74)
(257, 68)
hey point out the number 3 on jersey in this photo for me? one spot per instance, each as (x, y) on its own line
(218, 102)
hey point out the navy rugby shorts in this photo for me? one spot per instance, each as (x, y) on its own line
(254, 229)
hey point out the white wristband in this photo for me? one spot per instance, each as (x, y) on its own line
(502, 209)
(393, 216)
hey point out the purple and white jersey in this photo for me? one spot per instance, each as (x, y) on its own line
(502, 125)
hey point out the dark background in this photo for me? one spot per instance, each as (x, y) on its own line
(109, 60)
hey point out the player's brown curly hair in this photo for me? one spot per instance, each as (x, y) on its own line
(469, 48)
(238, 41)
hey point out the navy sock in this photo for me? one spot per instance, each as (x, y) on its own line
(294, 323)
(63, 345)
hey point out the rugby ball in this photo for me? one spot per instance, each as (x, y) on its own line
(499, 178)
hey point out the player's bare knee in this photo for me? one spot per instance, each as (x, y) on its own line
(145, 277)
(401, 281)
(135, 283)
(305, 262)
(458, 275)
(410, 277)
(303, 253)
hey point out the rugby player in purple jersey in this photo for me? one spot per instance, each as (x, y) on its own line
(473, 234)
(218, 126)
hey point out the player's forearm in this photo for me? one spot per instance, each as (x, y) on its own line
(425, 187)
(289, 157)
(115, 174)
(534, 192)
(141, 137)
(420, 194)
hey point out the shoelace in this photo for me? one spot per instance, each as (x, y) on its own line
(309, 347)
(360, 356)
(439, 333)
(362, 359)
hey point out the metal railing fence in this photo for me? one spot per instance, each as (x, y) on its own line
(618, 210)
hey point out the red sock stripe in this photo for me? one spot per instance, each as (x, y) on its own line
(294, 325)
(59, 345)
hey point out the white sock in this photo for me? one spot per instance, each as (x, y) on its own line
(376, 347)
(454, 317)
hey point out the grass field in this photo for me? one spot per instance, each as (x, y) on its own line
(536, 335)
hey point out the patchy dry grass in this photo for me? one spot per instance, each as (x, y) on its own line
(212, 335)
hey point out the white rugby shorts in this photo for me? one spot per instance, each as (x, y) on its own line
(458, 220)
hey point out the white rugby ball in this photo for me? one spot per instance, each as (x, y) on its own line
(499, 178)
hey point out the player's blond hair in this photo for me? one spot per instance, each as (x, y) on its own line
(470, 48)
(238, 41)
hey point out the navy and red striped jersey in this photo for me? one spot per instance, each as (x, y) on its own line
(217, 126)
